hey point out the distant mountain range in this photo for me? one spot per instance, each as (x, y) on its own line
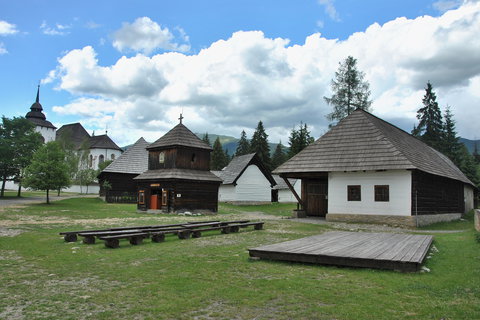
(231, 143)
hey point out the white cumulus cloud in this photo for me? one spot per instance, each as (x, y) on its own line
(56, 30)
(7, 28)
(145, 35)
(233, 83)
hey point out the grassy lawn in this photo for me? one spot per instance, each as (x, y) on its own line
(212, 277)
(10, 194)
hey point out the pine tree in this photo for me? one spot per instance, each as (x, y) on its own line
(468, 165)
(279, 156)
(450, 145)
(475, 153)
(259, 145)
(350, 91)
(219, 160)
(430, 126)
(243, 146)
(206, 139)
(299, 139)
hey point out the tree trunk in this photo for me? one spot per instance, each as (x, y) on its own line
(48, 200)
(58, 194)
(19, 193)
(2, 193)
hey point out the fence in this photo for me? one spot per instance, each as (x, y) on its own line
(121, 197)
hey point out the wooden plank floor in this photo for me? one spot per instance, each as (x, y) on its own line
(403, 252)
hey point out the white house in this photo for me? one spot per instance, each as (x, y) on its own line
(367, 170)
(281, 192)
(245, 180)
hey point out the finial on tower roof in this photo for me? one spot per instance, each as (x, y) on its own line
(38, 94)
(181, 117)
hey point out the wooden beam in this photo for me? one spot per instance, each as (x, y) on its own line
(294, 192)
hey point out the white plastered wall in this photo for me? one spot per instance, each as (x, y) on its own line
(48, 134)
(226, 192)
(253, 186)
(400, 186)
(468, 197)
(107, 153)
(285, 195)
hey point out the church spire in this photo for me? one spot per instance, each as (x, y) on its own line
(38, 94)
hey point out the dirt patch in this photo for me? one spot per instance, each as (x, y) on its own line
(5, 232)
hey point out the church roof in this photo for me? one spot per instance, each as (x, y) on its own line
(36, 116)
(134, 160)
(103, 142)
(180, 136)
(362, 141)
(238, 165)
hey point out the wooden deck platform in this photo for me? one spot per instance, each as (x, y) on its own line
(403, 252)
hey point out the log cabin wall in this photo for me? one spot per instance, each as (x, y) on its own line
(120, 182)
(196, 196)
(432, 194)
(181, 158)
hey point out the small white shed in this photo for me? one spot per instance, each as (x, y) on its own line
(245, 180)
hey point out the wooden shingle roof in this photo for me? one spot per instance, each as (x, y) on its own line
(74, 132)
(362, 141)
(103, 142)
(134, 160)
(238, 165)
(180, 136)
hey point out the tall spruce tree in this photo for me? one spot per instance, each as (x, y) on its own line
(206, 139)
(350, 91)
(259, 145)
(279, 156)
(430, 127)
(299, 139)
(219, 160)
(450, 145)
(243, 146)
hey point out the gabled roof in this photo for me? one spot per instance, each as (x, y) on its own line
(362, 141)
(36, 116)
(238, 165)
(74, 132)
(134, 160)
(281, 185)
(103, 142)
(180, 136)
(181, 174)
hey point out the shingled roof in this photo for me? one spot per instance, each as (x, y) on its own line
(182, 174)
(180, 136)
(74, 132)
(134, 160)
(238, 165)
(36, 115)
(362, 141)
(103, 142)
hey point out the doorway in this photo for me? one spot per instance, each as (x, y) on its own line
(316, 197)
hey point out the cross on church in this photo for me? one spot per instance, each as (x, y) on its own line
(181, 117)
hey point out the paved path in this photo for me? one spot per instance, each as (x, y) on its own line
(12, 202)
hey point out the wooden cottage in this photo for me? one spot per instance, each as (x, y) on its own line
(178, 176)
(120, 173)
(245, 180)
(367, 170)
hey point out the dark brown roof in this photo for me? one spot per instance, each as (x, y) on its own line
(238, 165)
(134, 160)
(181, 174)
(362, 141)
(180, 136)
(103, 142)
(36, 116)
(74, 132)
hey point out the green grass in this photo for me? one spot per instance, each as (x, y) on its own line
(42, 277)
(9, 194)
(274, 208)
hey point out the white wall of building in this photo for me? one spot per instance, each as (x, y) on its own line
(285, 195)
(48, 134)
(251, 186)
(92, 189)
(106, 153)
(400, 188)
(468, 196)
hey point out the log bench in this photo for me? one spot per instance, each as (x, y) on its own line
(113, 241)
(256, 225)
(89, 237)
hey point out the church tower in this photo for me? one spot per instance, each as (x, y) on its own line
(36, 116)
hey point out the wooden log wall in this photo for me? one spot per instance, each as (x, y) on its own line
(433, 194)
(181, 158)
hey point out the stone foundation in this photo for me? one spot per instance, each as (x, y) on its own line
(402, 221)
(299, 214)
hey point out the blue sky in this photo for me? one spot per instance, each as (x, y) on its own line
(133, 66)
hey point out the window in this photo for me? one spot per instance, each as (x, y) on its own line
(382, 193)
(112, 157)
(141, 197)
(193, 158)
(90, 161)
(101, 159)
(161, 157)
(354, 193)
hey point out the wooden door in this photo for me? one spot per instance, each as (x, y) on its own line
(316, 198)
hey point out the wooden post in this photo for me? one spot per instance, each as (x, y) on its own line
(300, 201)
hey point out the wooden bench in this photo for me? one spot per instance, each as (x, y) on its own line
(89, 237)
(113, 241)
(256, 225)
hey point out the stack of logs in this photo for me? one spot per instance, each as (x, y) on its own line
(157, 233)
